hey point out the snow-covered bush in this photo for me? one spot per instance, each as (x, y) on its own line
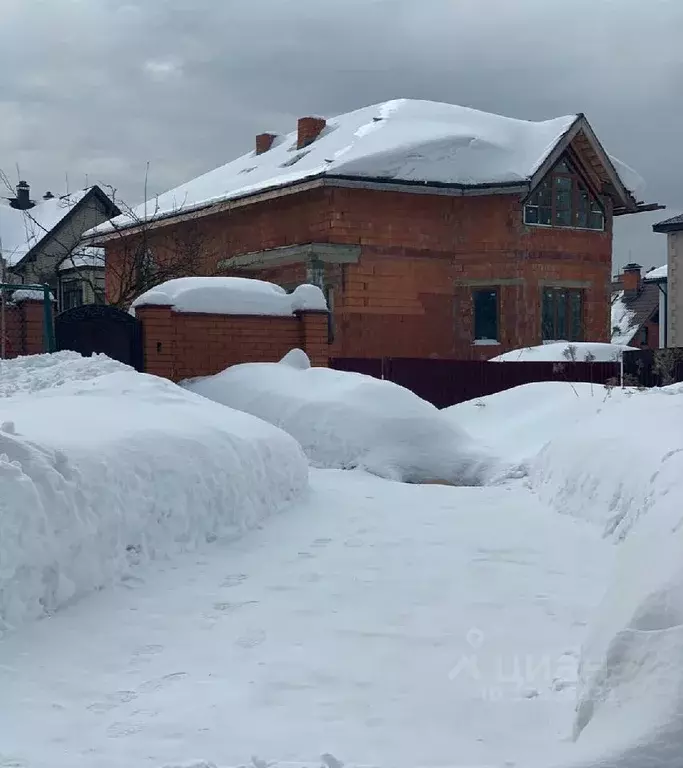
(103, 468)
(349, 420)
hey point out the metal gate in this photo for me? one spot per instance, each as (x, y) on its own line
(98, 328)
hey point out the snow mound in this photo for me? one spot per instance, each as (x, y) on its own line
(25, 375)
(349, 420)
(517, 423)
(630, 482)
(565, 352)
(103, 469)
(28, 294)
(232, 296)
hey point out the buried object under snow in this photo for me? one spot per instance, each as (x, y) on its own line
(349, 420)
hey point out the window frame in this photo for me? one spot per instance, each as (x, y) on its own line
(568, 316)
(76, 286)
(556, 177)
(481, 341)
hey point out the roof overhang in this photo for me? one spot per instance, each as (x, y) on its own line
(665, 227)
(612, 185)
(318, 182)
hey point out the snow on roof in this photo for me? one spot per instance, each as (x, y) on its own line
(87, 256)
(403, 140)
(623, 324)
(564, 352)
(232, 296)
(659, 273)
(22, 230)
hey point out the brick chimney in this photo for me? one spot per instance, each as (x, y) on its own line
(264, 141)
(22, 201)
(630, 280)
(308, 130)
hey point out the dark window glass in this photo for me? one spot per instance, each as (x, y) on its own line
(563, 200)
(329, 295)
(72, 294)
(562, 315)
(485, 314)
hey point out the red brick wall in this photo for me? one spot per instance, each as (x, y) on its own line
(411, 292)
(179, 346)
(24, 329)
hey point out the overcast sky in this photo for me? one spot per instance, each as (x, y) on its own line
(98, 88)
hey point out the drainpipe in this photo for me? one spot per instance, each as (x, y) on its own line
(665, 296)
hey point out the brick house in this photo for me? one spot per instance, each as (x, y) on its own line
(434, 230)
(639, 307)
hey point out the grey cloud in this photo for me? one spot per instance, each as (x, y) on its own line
(101, 87)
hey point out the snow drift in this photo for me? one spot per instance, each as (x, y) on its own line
(102, 469)
(349, 420)
(630, 704)
(566, 352)
(613, 457)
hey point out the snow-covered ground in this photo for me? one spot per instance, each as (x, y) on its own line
(103, 469)
(384, 623)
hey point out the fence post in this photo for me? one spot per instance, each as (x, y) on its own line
(621, 369)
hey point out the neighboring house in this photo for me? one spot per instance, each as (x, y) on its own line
(40, 242)
(673, 228)
(639, 308)
(434, 230)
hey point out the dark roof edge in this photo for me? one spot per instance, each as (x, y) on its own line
(368, 182)
(674, 224)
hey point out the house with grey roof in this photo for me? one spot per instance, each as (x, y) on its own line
(639, 307)
(673, 229)
(41, 242)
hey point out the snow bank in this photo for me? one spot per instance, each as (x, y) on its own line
(102, 469)
(615, 458)
(232, 296)
(565, 351)
(622, 468)
(348, 420)
(517, 423)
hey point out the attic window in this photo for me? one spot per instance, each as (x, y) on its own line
(562, 199)
(293, 160)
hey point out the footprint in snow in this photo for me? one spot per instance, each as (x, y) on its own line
(234, 579)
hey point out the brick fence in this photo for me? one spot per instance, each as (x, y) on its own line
(23, 328)
(182, 345)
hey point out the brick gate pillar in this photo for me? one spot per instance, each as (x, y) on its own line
(314, 340)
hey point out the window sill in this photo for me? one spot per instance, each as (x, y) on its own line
(564, 226)
(485, 343)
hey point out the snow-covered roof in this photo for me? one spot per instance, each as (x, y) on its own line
(232, 296)
(624, 322)
(86, 256)
(22, 230)
(659, 273)
(403, 141)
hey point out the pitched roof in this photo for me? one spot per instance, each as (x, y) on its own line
(402, 141)
(674, 224)
(659, 273)
(630, 313)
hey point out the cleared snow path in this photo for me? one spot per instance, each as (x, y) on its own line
(384, 623)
